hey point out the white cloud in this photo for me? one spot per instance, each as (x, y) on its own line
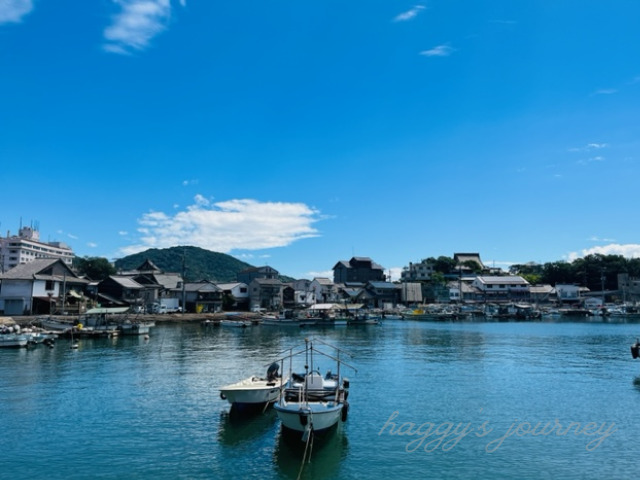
(242, 224)
(92, 245)
(409, 14)
(394, 274)
(629, 250)
(605, 91)
(588, 147)
(597, 239)
(138, 22)
(439, 51)
(586, 161)
(201, 201)
(12, 11)
(320, 274)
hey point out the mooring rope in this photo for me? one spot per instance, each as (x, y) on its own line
(308, 446)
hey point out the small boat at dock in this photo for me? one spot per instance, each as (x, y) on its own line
(13, 340)
(255, 392)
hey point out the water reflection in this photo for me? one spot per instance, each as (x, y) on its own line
(238, 427)
(323, 459)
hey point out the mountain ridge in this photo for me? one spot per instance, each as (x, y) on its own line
(197, 263)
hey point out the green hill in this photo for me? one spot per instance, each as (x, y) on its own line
(199, 264)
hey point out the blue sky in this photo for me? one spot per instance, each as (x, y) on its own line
(298, 134)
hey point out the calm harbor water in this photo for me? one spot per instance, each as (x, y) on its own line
(436, 400)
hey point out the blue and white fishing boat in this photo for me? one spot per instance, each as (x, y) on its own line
(311, 403)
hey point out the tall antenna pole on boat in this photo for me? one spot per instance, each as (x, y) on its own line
(184, 293)
(306, 371)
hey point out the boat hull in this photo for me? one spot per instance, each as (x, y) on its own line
(13, 340)
(135, 328)
(318, 417)
(53, 325)
(252, 391)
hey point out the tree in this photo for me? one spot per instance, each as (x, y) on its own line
(444, 264)
(532, 278)
(472, 265)
(557, 272)
(95, 268)
(437, 278)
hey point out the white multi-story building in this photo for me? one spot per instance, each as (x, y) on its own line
(26, 247)
(417, 272)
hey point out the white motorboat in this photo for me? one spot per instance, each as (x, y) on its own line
(136, 328)
(13, 340)
(255, 391)
(55, 325)
(311, 403)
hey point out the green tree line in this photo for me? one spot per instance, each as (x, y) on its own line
(593, 271)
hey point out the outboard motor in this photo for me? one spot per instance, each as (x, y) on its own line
(272, 372)
(635, 349)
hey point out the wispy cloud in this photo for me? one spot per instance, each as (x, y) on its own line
(585, 161)
(598, 239)
(629, 250)
(439, 51)
(605, 91)
(409, 14)
(589, 147)
(138, 22)
(242, 224)
(12, 11)
(92, 244)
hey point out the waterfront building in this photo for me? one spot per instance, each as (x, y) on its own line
(411, 293)
(203, 297)
(266, 293)
(41, 286)
(299, 293)
(121, 291)
(541, 294)
(382, 293)
(236, 293)
(460, 291)
(324, 290)
(629, 288)
(358, 269)
(27, 247)
(568, 293)
(156, 283)
(505, 287)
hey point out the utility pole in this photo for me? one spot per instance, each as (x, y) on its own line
(184, 305)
